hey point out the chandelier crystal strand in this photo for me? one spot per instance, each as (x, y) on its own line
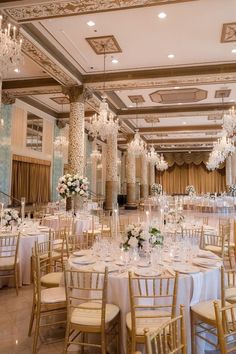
(223, 148)
(229, 120)
(152, 155)
(10, 55)
(162, 165)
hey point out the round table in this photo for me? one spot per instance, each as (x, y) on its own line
(193, 288)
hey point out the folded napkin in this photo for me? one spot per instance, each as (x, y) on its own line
(197, 287)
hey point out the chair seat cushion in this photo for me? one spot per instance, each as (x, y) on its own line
(93, 232)
(53, 295)
(214, 249)
(206, 309)
(230, 295)
(52, 279)
(87, 317)
(147, 322)
(7, 263)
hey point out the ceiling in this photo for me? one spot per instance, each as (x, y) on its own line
(176, 102)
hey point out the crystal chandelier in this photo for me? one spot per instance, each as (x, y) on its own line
(152, 155)
(104, 123)
(10, 53)
(161, 164)
(221, 150)
(137, 145)
(60, 145)
(229, 121)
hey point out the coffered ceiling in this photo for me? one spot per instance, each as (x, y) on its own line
(165, 76)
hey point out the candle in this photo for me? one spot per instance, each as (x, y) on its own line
(147, 216)
(14, 32)
(116, 222)
(2, 205)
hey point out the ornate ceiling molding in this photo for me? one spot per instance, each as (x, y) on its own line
(21, 92)
(36, 12)
(48, 64)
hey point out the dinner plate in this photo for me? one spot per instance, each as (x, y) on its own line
(143, 264)
(207, 255)
(204, 262)
(186, 269)
(120, 263)
(83, 262)
(81, 253)
(32, 233)
(101, 268)
(147, 272)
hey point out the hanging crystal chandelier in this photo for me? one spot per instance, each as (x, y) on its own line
(61, 145)
(137, 145)
(10, 54)
(223, 148)
(104, 123)
(152, 155)
(96, 155)
(229, 121)
(161, 164)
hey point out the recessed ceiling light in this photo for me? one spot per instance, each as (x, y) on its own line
(184, 123)
(180, 103)
(115, 61)
(16, 70)
(171, 56)
(233, 50)
(91, 23)
(176, 87)
(131, 105)
(162, 15)
(231, 100)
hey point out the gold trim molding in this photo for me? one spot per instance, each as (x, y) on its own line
(31, 160)
(54, 9)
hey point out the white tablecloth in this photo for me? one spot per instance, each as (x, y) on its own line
(82, 223)
(193, 288)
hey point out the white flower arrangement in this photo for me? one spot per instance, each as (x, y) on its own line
(156, 238)
(9, 216)
(174, 217)
(190, 190)
(156, 188)
(135, 236)
(232, 189)
(72, 185)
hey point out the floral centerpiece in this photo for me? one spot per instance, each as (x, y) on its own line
(232, 189)
(135, 236)
(72, 185)
(156, 238)
(10, 216)
(156, 188)
(174, 217)
(190, 190)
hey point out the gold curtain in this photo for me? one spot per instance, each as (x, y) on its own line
(31, 181)
(176, 178)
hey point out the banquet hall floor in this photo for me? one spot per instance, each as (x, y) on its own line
(15, 312)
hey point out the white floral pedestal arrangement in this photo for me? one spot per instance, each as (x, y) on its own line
(190, 190)
(156, 189)
(75, 187)
(10, 218)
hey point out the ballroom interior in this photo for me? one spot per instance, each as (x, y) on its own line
(117, 163)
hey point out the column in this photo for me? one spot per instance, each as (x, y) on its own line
(5, 149)
(228, 171)
(144, 177)
(131, 179)
(57, 166)
(233, 162)
(94, 161)
(111, 172)
(151, 176)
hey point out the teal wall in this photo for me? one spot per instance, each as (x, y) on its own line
(5, 153)
(57, 168)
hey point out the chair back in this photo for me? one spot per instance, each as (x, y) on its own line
(170, 337)
(43, 254)
(226, 327)
(157, 294)
(84, 288)
(9, 246)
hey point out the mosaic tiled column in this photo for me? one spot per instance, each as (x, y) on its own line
(111, 172)
(76, 148)
(57, 167)
(151, 175)
(131, 181)
(5, 152)
(144, 176)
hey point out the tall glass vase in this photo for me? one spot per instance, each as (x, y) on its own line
(78, 204)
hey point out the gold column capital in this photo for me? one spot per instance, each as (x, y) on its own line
(7, 98)
(77, 93)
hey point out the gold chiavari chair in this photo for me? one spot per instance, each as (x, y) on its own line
(106, 226)
(228, 286)
(65, 222)
(88, 310)
(169, 338)
(153, 303)
(205, 220)
(9, 262)
(48, 305)
(193, 233)
(226, 327)
(44, 252)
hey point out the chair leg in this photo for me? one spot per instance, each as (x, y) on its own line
(193, 347)
(31, 319)
(103, 343)
(67, 336)
(16, 279)
(36, 333)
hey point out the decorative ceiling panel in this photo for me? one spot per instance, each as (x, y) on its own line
(187, 95)
(228, 32)
(222, 93)
(104, 44)
(60, 100)
(136, 98)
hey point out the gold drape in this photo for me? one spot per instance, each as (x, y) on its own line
(176, 178)
(31, 181)
(181, 158)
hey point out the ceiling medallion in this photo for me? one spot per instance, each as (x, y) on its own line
(228, 32)
(99, 43)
